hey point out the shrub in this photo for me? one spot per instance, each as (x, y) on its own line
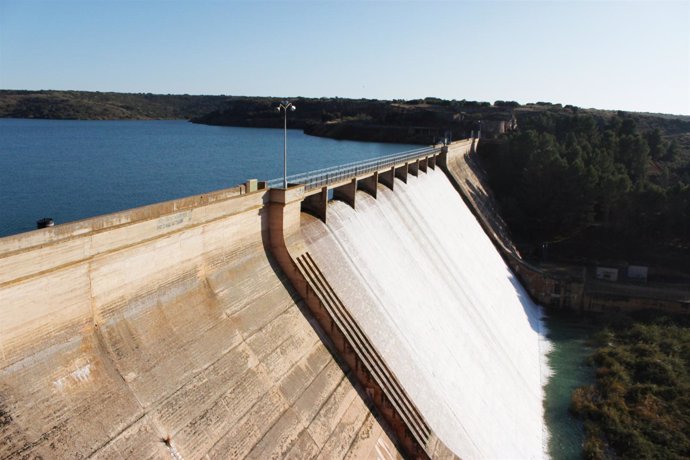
(639, 406)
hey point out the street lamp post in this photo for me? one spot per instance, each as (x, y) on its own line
(285, 106)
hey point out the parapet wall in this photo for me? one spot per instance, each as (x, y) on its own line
(168, 330)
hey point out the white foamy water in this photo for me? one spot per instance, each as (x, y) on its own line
(450, 319)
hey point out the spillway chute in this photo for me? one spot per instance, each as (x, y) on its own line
(448, 316)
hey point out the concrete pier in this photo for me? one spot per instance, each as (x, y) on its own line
(401, 172)
(316, 203)
(346, 192)
(369, 184)
(387, 178)
(413, 168)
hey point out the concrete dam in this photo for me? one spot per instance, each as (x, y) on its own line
(267, 323)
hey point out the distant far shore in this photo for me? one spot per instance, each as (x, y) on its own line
(419, 121)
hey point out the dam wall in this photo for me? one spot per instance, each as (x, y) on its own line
(234, 324)
(169, 330)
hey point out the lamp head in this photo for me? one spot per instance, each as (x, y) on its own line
(293, 108)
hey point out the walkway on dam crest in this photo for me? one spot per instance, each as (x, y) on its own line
(342, 182)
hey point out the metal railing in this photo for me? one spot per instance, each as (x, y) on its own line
(327, 176)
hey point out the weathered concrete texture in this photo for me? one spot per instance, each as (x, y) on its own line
(168, 322)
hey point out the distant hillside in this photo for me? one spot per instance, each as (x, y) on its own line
(87, 105)
(418, 121)
(421, 121)
(671, 127)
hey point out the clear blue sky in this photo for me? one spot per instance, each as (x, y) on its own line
(610, 55)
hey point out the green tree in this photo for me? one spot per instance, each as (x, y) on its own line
(633, 153)
(657, 144)
(672, 150)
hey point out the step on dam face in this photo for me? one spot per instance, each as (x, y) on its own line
(171, 337)
(449, 318)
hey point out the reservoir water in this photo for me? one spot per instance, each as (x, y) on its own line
(71, 170)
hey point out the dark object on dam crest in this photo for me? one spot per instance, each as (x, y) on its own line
(45, 222)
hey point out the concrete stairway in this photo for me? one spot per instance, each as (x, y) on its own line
(394, 397)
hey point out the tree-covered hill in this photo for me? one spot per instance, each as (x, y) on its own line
(406, 121)
(417, 121)
(596, 185)
(420, 121)
(88, 105)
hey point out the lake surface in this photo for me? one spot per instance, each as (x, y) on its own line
(71, 170)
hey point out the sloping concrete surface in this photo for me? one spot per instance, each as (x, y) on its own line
(167, 331)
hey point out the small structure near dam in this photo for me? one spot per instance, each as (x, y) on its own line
(361, 313)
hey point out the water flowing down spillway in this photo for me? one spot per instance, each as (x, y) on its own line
(432, 293)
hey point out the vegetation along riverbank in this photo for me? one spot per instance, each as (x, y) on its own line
(639, 404)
